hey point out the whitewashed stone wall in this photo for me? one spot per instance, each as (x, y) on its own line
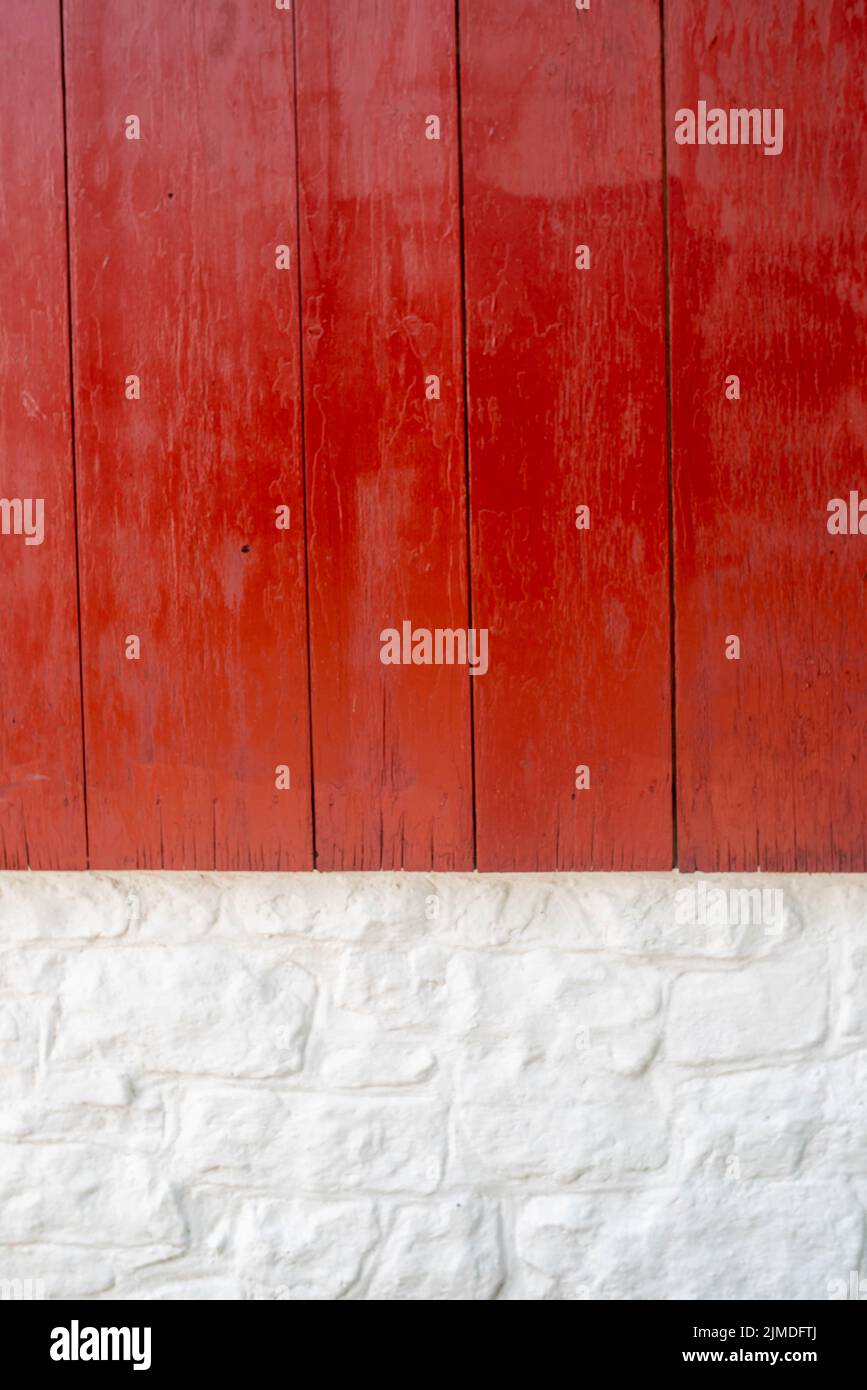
(412, 1087)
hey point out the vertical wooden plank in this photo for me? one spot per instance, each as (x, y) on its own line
(767, 284)
(176, 282)
(380, 235)
(41, 797)
(562, 149)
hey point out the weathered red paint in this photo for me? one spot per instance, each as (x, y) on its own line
(41, 798)
(385, 466)
(173, 249)
(174, 241)
(767, 283)
(562, 147)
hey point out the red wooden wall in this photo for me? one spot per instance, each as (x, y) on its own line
(175, 281)
(380, 302)
(42, 817)
(387, 538)
(567, 408)
(768, 284)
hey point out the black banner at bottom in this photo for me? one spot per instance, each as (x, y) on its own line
(223, 1339)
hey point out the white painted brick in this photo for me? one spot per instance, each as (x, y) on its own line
(24, 1028)
(201, 1007)
(56, 906)
(57, 1271)
(89, 1104)
(439, 1250)
(88, 1193)
(293, 1143)
(431, 1087)
(851, 1018)
(403, 987)
(761, 1240)
(772, 1008)
(303, 1250)
(378, 1063)
(775, 1121)
(582, 1012)
(518, 1120)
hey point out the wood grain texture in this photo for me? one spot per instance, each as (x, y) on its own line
(41, 797)
(562, 147)
(175, 280)
(380, 234)
(174, 243)
(768, 283)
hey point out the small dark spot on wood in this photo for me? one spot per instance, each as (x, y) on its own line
(244, 549)
(170, 195)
